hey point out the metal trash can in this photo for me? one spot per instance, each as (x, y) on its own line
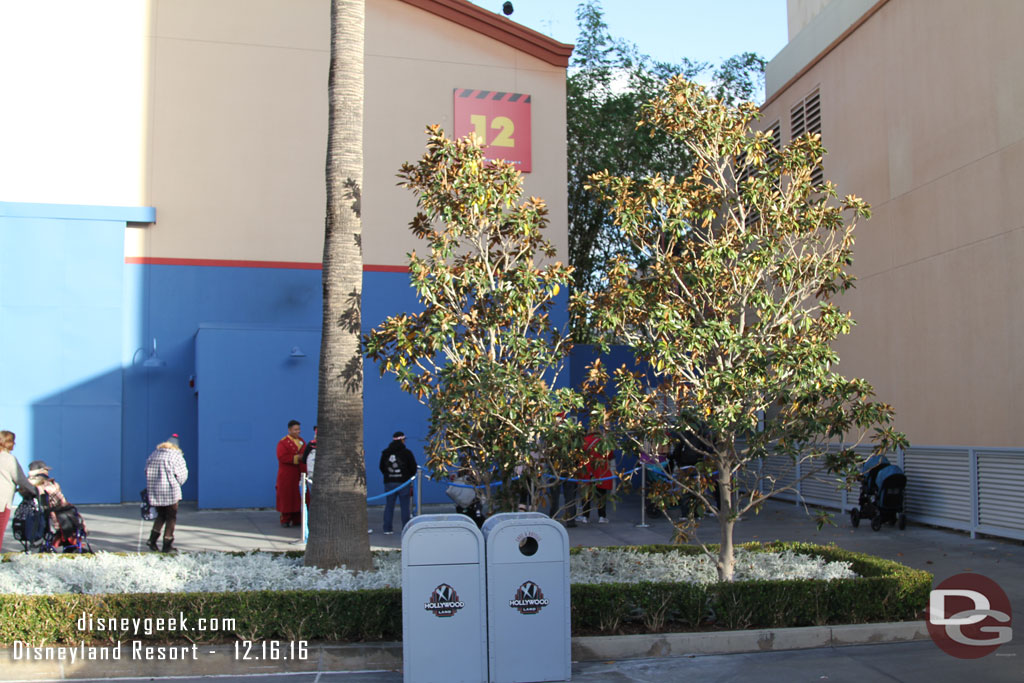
(444, 610)
(528, 609)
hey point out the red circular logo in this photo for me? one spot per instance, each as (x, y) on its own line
(969, 616)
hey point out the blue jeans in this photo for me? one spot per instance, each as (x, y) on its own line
(389, 505)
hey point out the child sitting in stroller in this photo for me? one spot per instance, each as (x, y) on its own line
(69, 534)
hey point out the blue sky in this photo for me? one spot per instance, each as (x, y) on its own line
(701, 30)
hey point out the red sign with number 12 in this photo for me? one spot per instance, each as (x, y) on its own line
(500, 119)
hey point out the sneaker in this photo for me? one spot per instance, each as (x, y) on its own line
(389, 533)
(602, 520)
(583, 520)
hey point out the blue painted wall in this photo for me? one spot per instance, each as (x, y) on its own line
(61, 289)
(617, 356)
(171, 303)
(249, 387)
(79, 325)
(248, 305)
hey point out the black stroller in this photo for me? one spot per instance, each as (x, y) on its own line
(32, 528)
(881, 494)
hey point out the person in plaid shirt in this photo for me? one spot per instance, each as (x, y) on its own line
(165, 473)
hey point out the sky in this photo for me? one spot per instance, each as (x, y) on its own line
(700, 30)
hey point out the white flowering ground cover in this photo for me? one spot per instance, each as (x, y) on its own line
(210, 572)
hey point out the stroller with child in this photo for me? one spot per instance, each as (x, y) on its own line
(48, 522)
(881, 494)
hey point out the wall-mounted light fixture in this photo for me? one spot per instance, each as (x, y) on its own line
(152, 360)
(296, 353)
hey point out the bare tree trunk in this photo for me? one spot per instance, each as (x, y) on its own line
(337, 525)
(726, 523)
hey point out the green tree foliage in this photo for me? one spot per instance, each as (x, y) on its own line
(608, 83)
(735, 311)
(484, 354)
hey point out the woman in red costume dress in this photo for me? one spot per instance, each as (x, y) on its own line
(289, 469)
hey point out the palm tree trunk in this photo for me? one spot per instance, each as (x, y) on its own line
(337, 524)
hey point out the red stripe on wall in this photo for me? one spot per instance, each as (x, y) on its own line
(385, 269)
(230, 263)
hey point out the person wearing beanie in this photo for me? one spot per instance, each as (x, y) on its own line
(289, 471)
(166, 471)
(398, 465)
(12, 478)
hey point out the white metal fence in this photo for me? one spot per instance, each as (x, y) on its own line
(977, 490)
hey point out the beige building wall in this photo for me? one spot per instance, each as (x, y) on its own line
(414, 61)
(215, 113)
(923, 116)
(240, 131)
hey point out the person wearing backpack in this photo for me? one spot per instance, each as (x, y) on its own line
(12, 478)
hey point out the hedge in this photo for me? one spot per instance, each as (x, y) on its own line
(886, 591)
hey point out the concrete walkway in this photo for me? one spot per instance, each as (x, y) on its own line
(942, 552)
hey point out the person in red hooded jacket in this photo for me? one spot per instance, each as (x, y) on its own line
(601, 466)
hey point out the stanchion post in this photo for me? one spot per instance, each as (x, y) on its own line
(419, 489)
(302, 508)
(643, 498)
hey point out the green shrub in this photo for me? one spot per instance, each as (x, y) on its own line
(887, 591)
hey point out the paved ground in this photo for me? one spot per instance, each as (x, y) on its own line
(942, 552)
(919, 662)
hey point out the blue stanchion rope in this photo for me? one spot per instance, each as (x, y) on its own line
(549, 477)
(392, 491)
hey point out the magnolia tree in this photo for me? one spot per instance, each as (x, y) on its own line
(484, 354)
(735, 314)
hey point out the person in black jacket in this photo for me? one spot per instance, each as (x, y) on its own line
(398, 465)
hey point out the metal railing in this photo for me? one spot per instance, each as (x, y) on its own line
(976, 490)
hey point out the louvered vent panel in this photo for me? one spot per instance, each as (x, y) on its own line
(812, 112)
(938, 485)
(822, 489)
(1001, 489)
(797, 123)
(805, 117)
(781, 470)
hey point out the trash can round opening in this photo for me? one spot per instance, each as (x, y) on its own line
(528, 546)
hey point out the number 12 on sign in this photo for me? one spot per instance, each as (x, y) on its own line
(500, 121)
